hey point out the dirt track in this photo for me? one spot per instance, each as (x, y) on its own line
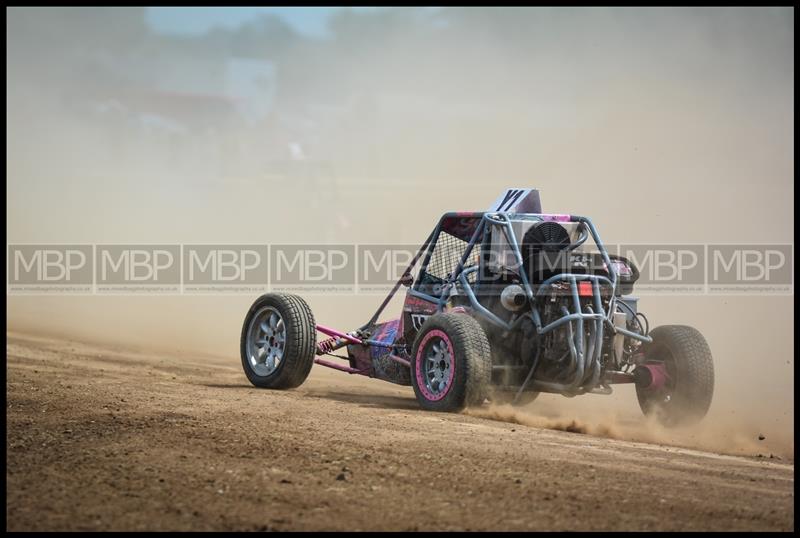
(101, 438)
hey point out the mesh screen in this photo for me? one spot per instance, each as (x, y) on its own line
(446, 255)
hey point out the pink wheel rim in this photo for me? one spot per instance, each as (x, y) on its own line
(435, 365)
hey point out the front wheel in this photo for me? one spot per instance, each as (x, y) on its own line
(278, 341)
(676, 381)
(451, 364)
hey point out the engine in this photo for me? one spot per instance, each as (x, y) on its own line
(548, 249)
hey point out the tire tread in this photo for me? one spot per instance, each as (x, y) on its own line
(692, 397)
(468, 338)
(300, 349)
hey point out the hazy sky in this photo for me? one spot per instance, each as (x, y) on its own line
(311, 21)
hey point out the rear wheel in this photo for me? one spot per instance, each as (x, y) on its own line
(451, 364)
(676, 382)
(278, 341)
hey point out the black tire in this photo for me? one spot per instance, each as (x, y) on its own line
(299, 344)
(686, 396)
(471, 362)
(507, 397)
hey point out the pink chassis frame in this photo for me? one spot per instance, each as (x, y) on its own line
(338, 340)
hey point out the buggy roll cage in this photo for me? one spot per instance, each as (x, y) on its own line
(584, 352)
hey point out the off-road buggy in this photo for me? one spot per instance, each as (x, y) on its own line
(505, 304)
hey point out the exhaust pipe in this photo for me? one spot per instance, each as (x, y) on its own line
(651, 376)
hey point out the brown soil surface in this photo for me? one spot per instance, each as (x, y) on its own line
(119, 439)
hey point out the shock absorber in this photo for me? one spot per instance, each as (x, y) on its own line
(330, 344)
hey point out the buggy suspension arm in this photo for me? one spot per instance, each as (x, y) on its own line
(336, 341)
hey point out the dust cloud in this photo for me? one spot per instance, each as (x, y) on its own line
(733, 437)
(666, 126)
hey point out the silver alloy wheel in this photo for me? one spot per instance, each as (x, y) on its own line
(438, 366)
(266, 341)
